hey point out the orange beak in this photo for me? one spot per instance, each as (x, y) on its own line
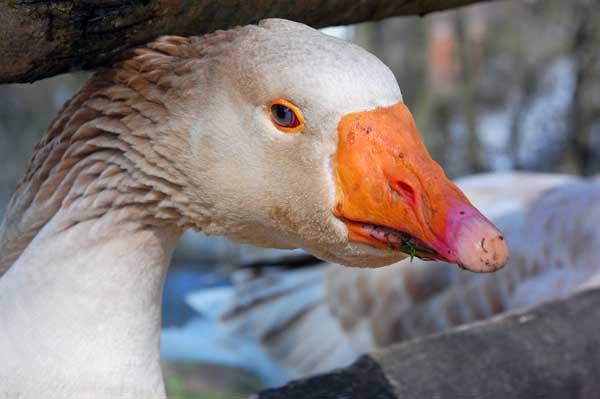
(391, 194)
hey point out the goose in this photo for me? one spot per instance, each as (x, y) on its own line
(270, 134)
(293, 324)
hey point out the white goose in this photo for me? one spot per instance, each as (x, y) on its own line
(301, 322)
(275, 135)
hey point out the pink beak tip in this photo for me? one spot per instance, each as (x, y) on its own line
(480, 246)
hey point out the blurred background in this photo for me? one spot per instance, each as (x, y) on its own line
(498, 86)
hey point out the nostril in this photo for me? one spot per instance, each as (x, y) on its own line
(405, 190)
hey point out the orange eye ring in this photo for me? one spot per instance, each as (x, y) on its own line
(286, 116)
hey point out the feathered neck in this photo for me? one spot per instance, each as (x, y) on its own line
(111, 148)
(89, 233)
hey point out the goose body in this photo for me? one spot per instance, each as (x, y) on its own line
(300, 322)
(272, 134)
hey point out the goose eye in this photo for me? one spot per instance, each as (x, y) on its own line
(283, 115)
(286, 116)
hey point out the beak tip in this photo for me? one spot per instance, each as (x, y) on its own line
(482, 246)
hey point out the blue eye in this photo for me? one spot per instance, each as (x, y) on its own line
(283, 115)
(286, 116)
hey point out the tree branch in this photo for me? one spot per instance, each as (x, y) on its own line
(551, 352)
(39, 39)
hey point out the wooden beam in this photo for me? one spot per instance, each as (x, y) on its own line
(39, 39)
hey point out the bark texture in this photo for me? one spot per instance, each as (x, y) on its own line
(39, 39)
(551, 352)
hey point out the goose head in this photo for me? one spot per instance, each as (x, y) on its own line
(301, 140)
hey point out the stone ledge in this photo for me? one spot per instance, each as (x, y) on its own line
(551, 351)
